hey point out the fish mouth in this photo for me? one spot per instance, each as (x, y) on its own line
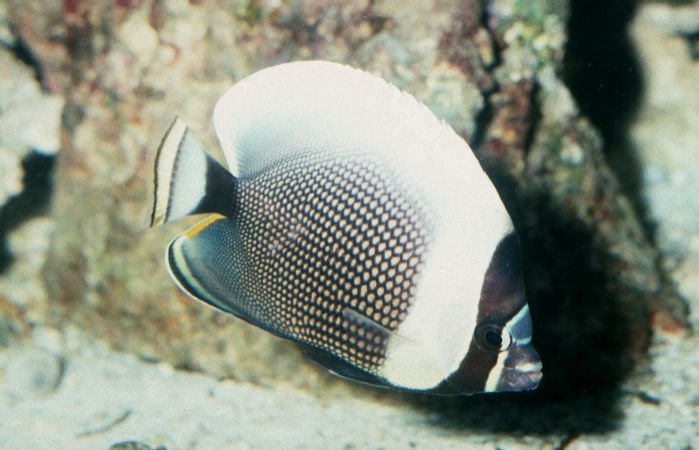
(524, 378)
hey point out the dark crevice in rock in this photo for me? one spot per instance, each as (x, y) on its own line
(36, 167)
(188, 366)
(534, 117)
(23, 53)
(485, 116)
(462, 44)
(483, 120)
(692, 43)
(602, 71)
(31, 202)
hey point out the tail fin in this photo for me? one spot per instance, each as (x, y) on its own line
(188, 181)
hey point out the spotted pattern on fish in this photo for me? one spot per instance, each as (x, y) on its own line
(334, 253)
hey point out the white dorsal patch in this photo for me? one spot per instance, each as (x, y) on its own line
(317, 106)
(323, 106)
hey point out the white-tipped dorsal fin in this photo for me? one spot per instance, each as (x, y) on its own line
(187, 180)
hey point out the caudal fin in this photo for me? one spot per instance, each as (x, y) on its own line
(187, 180)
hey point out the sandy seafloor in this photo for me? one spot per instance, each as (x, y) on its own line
(63, 390)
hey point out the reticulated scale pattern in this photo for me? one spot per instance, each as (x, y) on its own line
(336, 249)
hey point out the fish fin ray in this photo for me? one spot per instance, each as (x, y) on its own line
(187, 180)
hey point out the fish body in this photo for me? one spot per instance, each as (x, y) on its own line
(353, 222)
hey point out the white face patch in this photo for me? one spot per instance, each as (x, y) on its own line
(443, 317)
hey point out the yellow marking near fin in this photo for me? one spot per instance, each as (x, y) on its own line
(199, 227)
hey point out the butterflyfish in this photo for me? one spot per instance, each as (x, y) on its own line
(354, 222)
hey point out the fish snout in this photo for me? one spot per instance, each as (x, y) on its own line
(522, 371)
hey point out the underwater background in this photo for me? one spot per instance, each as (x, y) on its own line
(584, 112)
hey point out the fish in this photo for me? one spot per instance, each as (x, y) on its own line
(355, 223)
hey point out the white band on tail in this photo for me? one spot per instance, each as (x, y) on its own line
(180, 175)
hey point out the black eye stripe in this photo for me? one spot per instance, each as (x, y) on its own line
(502, 294)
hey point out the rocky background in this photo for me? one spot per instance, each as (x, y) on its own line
(584, 113)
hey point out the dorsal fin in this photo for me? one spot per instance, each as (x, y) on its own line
(187, 180)
(321, 106)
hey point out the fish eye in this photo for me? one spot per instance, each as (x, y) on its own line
(492, 337)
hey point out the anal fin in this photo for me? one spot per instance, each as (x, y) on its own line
(341, 368)
(206, 264)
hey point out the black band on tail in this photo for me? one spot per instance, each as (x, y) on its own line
(188, 181)
(221, 190)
